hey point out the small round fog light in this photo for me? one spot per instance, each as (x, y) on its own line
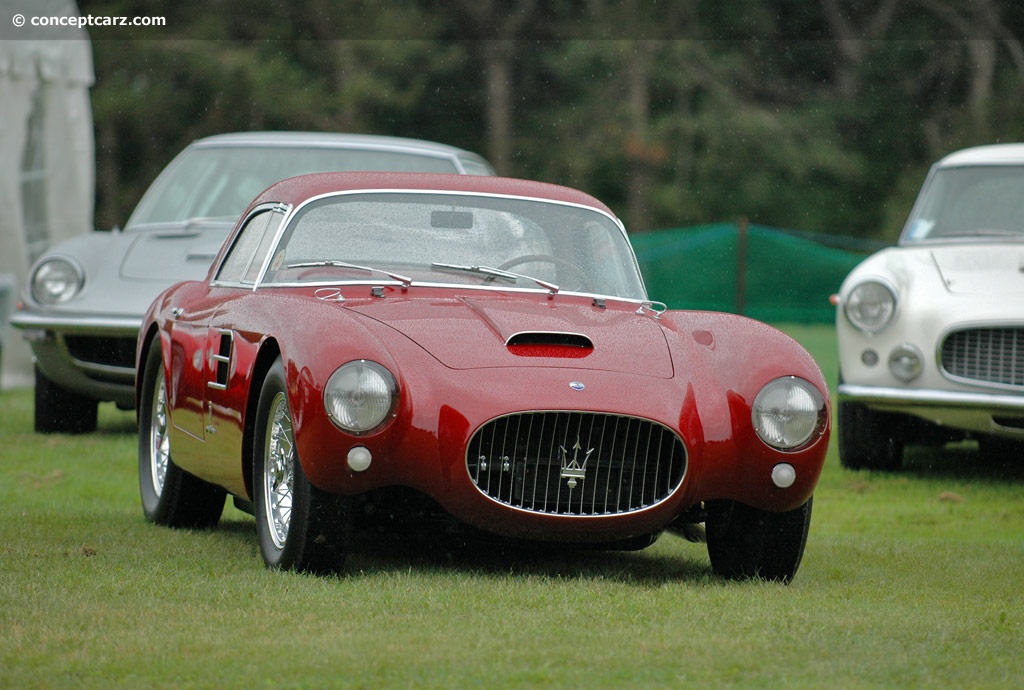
(869, 357)
(783, 475)
(906, 362)
(359, 458)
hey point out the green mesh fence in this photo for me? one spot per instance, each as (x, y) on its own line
(787, 277)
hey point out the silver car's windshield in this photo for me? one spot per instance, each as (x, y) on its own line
(219, 182)
(464, 239)
(973, 203)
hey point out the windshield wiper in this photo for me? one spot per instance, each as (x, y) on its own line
(406, 281)
(494, 273)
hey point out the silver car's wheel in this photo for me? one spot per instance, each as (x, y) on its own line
(299, 526)
(61, 411)
(170, 496)
(869, 439)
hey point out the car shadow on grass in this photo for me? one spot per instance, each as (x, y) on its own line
(429, 547)
(964, 461)
(667, 562)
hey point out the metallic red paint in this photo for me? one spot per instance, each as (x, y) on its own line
(694, 372)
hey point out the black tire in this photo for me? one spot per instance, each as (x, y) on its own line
(60, 411)
(996, 450)
(869, 440)
(745, 542)
(170, 496)
(299, 526)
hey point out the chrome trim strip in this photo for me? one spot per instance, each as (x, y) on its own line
(928, 398)
(117, 325)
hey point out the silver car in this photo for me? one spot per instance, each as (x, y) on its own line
(84, 301)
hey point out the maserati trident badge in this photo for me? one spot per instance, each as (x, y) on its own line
(574, 470)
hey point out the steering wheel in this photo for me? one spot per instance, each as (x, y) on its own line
(582, 279)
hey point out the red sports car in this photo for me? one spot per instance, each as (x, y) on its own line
(486, 344)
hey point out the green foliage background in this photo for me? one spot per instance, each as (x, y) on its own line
(819, 116)
(769, 275)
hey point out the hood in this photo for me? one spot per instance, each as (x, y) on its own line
(981, 269)
(500, 331)
(174, 252)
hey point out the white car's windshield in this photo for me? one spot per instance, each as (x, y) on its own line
(219, 182)
(463, 239)
(976, 203)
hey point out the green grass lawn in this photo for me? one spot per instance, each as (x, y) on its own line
(914, 579)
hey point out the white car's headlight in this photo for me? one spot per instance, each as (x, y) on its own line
(870, 306)
(788, 413)
(360, 396)
(56, 280)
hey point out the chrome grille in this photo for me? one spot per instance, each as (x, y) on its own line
(576, 463)
(987, 355)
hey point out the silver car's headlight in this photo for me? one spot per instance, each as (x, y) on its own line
(788, 413)
(56, 280)
(360, 396)
(870, 306)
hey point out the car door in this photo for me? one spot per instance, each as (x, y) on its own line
(204, 351)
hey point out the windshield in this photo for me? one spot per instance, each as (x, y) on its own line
(460, 239)
(220, 182)
(984, 202)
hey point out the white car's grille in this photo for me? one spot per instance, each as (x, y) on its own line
(576, 463)
(985, 355)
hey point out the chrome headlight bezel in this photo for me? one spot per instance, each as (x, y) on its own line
(789, 413)
(871, 305)
(360, 397)
(56, 280)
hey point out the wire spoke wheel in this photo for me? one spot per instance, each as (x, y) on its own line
(159, 440)
(279, 471)
(299, 526)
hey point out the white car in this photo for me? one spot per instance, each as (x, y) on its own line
(931, 331)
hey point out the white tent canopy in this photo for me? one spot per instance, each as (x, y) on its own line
(47, 155)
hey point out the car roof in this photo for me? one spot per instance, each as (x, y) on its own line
(991, 154)
(296, 190)
(330, 139)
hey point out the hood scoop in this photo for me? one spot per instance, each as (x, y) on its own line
(487, 331)
(549, 344)
(550, 338)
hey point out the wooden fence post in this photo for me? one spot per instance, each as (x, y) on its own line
(743, 231)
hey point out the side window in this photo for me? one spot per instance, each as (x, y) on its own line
(243, 262)
(273, 223)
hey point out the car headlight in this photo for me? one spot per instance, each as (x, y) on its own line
(360, 396)
(788, 413)
(870, 306)
(56, 280)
